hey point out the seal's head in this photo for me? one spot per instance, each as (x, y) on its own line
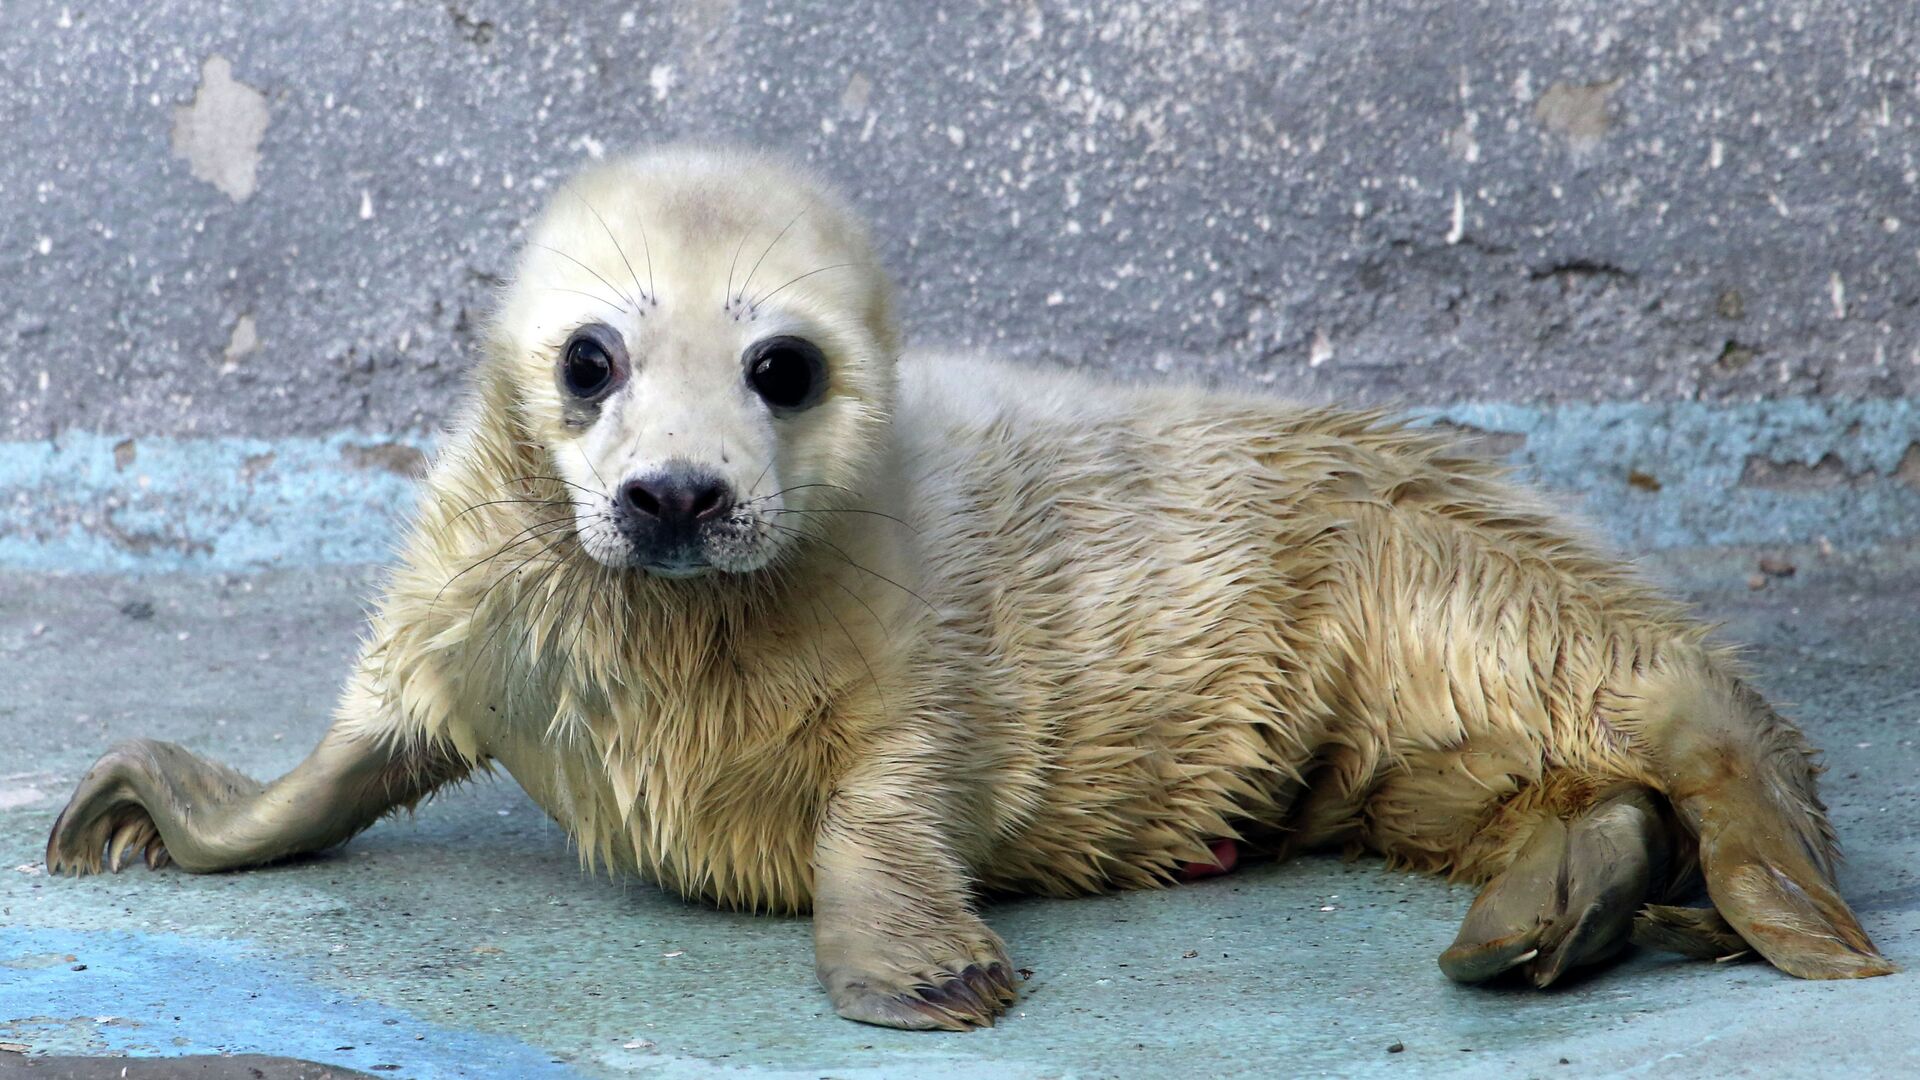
(703, 343)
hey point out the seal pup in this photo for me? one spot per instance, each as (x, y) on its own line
(758, 611)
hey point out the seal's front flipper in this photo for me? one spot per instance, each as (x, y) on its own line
(159, 800)
(1570, 895)
(896, 942)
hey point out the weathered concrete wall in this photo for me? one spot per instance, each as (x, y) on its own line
(259, 222)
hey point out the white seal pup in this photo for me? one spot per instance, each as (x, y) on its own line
(761, 612)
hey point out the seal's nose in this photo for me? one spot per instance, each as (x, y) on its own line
(677, 500)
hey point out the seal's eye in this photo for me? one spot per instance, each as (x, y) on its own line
(589, 365)
(789, 373)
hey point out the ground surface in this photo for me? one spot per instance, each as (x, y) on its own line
(465, 942)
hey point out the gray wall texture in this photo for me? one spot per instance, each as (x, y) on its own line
(1665, 252)
(288, 217)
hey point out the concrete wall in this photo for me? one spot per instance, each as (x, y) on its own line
(237, 232)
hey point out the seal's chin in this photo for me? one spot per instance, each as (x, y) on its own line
(677, 570)
(618, 553)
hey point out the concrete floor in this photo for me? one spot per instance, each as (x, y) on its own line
(465, 941)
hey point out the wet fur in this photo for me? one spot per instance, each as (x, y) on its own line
(1029, 632)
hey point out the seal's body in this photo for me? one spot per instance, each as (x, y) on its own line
(763, 614)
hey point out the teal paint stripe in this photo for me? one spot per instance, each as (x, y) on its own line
(1699, 454)
(210, 503)
(166, 995)
(240, 504)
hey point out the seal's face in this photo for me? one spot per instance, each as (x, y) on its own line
(703, 345)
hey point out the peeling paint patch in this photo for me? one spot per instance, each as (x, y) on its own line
(855, 96)
(475, 31)
(240, 344)
(661, 79)
(1580, 113)
(219, 133)
(1499, 445)
(254, 465)
(1828, 472)
(399, 458)
(35, 961)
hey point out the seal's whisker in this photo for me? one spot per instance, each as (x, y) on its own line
(505, 502)
(848, 559)
(879, 623)
(616, 244)
(754, 307)
(591, 296)
(851, 643)
(567, 568)
(527, 591)
(838, 510)
(546, 544)
(756, 483)
(777, 237)
(555, 479)
(536, 531)
(597, 594)
(647, 246)
(616, 289)
(584, 456)
(802, 487)
(727, 296)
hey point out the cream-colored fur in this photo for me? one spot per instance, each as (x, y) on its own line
(994, 628)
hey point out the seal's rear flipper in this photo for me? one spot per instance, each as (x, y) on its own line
(1741, 780)
(1696, 932)
(1774, 891)
(1570, 895)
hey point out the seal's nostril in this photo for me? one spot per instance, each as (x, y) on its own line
(710, 499)
(641, 497)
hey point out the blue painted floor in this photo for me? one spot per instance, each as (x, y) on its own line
(465, 942)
